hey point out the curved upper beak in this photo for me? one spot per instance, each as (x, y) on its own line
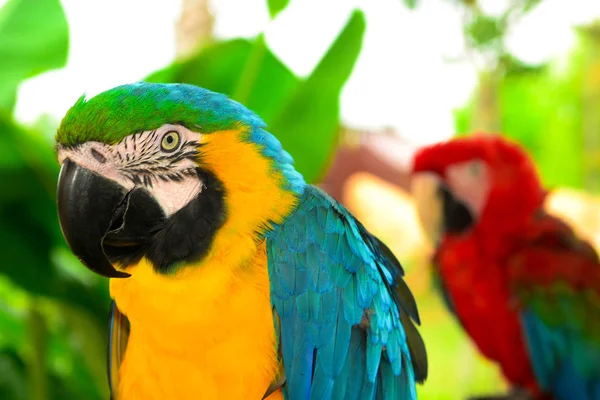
(87, 203)
(425, 188)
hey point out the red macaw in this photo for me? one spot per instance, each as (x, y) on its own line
(524, 287)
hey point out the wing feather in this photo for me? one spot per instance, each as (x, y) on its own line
(345, 313)
(556, 277)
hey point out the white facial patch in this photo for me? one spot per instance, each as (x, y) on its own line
(97, 157)
(470, 183)
(163, 161)
(172, 196)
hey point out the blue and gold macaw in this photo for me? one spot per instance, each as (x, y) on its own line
(231, 277)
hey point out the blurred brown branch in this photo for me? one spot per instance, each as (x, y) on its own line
(382, 154)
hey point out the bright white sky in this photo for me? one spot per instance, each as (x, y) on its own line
(401, 79)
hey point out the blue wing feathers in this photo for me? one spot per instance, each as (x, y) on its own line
(565, 363)
(339, 295)
(336, 349)
(323, 387)
(351, 379)
(373, 357)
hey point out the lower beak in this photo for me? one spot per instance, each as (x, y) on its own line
(102, 222)
(438, 209)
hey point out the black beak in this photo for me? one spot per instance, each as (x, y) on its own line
(457, 216)
(102, 221)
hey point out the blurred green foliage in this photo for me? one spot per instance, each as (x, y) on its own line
(457, 371)
(552, 110)
(411, 4)
(276, 6)
(548, 110)
(485, 34)
(34, 37)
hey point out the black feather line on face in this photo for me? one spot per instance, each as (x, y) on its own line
(184, 237)
(143, 169)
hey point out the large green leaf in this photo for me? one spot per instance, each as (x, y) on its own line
(308, 125)
(411, 4)
(265, 83)
(34, 37)
(245, 70)
(216, 67)
(276, 6)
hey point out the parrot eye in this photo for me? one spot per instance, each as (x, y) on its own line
(170, 141)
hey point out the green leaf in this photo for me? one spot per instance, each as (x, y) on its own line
(9, 158)
(514, 67)
(530, 5)
(247, 71)
(265, 83)
(312, 138)
(276, 6)
(485, 31)
(411, 4)
(34, 38)
(215, 67)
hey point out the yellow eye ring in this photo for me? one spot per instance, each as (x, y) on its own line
(170, 141)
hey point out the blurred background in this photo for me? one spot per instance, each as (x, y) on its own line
(350, 87)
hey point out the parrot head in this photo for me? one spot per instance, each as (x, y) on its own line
(475, 181)
(161, 171)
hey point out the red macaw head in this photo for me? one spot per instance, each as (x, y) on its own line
(482, 180)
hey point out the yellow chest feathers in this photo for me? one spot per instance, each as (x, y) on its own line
(207, 334)
(207, 331)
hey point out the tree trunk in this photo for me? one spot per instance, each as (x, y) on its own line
(194, 28)
(486, 110)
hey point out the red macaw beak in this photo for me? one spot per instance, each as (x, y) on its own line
(439, 210)
(424, 187)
